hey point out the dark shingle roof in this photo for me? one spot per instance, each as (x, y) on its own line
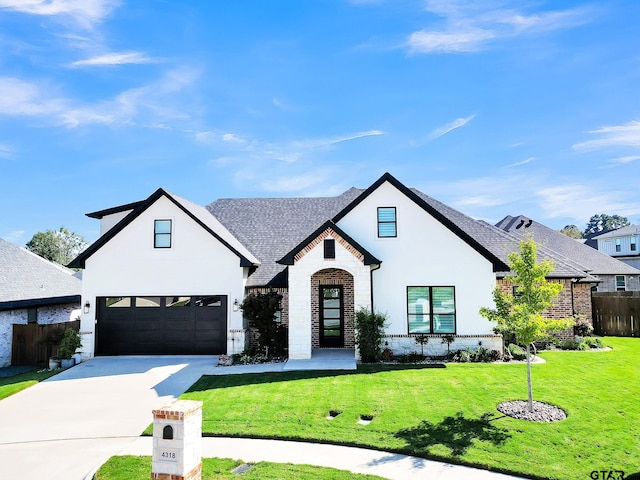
(271, 227)
(25, 276)
(593, 261)
(502, 243)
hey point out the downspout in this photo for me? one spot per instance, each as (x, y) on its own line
(573, 298)
(371, 282)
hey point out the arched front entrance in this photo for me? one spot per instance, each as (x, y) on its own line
(332, 309)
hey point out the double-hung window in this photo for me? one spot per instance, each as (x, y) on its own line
(621, 283)
(618, 245)
(387, 226)
(632, 244)
(162, 234)
(431, 309)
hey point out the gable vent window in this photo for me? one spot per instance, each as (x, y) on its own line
(162, 234)
(329, 248)
(387, 222)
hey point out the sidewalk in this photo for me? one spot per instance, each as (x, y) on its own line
(358, 460)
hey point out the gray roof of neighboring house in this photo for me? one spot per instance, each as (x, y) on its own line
(502, 243)
(271, 227)
(26, 278)
(593, 261)
(620, 232)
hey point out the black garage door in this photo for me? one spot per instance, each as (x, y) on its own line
(178, 325)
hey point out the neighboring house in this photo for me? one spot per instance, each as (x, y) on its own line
(622, 244)
(33, 290)
(168, 276)
(612, 274)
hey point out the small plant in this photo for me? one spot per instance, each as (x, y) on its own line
(421, 340)
(448, 339)
(593, 342)
(462, 356)
(516, 351)
(369, 334)
(582, 328)
(495, 355)
(481, 355)
(569, 344)
(387, 354)
(411, 357)
(69, 344)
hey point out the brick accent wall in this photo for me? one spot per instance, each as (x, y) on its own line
(329, 233)
(332, 276)
(567, 304)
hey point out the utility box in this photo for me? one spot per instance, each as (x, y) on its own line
(177, 441)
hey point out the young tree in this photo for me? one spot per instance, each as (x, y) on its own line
(59, 246)
(521, 314)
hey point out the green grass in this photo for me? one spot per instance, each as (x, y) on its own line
(11, 385)
(450, 414)
(139, 468)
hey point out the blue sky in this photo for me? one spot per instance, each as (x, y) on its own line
(493, 107)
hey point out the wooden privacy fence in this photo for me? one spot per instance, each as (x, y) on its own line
(616, 313)
(30, 345)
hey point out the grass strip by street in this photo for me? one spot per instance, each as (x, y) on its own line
(449, 414)
(129, 467)
(11, 385)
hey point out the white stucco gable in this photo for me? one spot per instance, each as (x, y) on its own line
(425, 252)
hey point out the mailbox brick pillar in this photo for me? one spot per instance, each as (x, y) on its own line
(177, 441)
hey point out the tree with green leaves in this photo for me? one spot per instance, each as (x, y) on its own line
(572, 231)
(60, 246)
(521, 314)
(259, 309)
(602, 222)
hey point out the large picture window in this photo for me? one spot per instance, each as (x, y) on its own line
(431, 309)
(387, 226)
(162, 234)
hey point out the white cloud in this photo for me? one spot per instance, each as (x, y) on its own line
(523, 162)
(114, 58)
(471, 26)
(18, 97)
(627, 135)
(580, 202)
(5, 151)
(143, 105)
(14, 237)
(624, 160)
(85, 12)
(231, 137)
(449, 127)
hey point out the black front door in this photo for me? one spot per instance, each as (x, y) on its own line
(331, 316)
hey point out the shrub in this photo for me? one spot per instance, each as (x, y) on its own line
(481, 355)
(70, 343)
(593, 342)
(516, 351)
(421, 340)
(369, 334)
(387, 354)
(260, 311)
(495, 355)
(582, 328)
(462, 356)
(411, 357)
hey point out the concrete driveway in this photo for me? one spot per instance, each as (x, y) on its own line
(65, 427)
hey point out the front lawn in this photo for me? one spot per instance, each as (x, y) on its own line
(11, 385)
(139, 468)
(450, 414)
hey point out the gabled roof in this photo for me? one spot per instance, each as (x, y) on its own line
(29, 280)
(289, 258)
(447, 216)
(620, 232)
(591, 261)
(196, 212)
(271, 227)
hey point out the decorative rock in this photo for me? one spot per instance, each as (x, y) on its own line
(225, 360)
(542, 412)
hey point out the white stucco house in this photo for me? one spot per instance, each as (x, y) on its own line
(168, 276)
